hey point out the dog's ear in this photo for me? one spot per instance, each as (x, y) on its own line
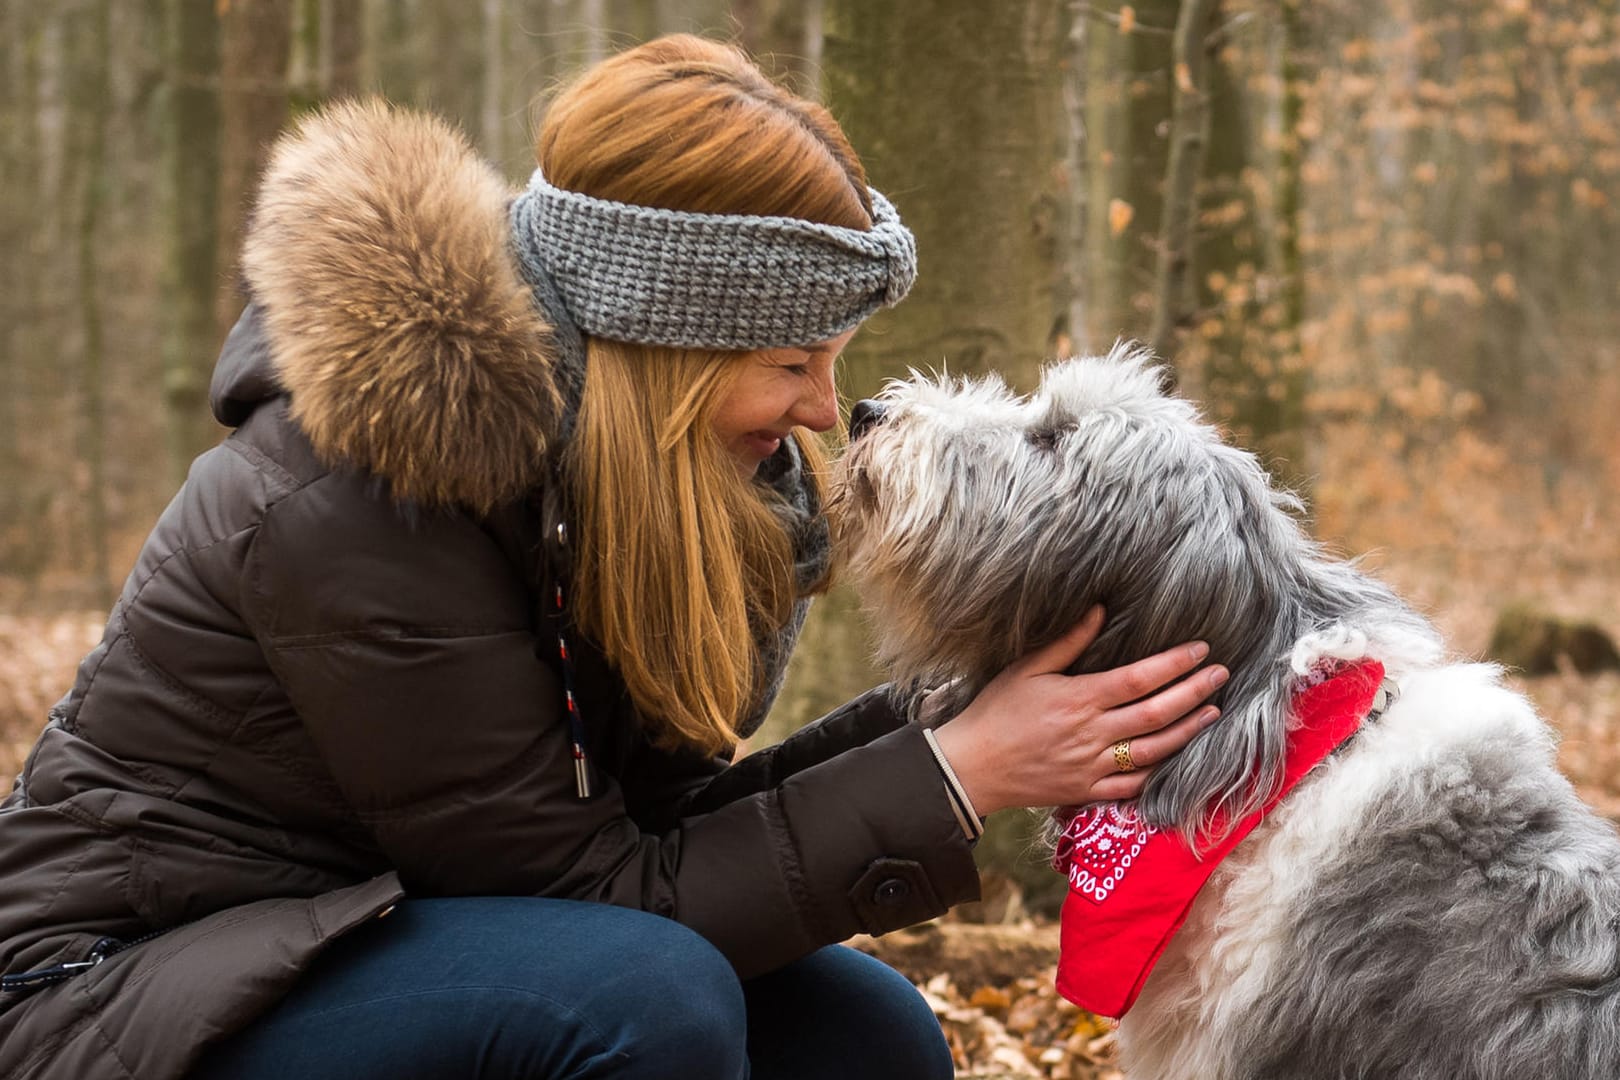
(1126, 382)
(1058, 402)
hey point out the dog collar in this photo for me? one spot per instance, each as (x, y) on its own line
(1131, 885)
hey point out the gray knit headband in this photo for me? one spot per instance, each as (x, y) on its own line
(715, 281)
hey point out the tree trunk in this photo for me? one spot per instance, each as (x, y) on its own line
(325, 59)
(91, 106)
(593, 21)
(448, 59)
(1189, 131)
(1275, 414)
(1078, 330)
(16, 32)
(254, 98)
(633, 21)
(192, 165)
(304, 74)
(341, 45)
(974, 163)
(1127, 107)
(1290, 185)
(1247, 365)
(393, 32)
(969, 145)
(26, 477)
(492, 111)
(779, 35)
(1507, 373)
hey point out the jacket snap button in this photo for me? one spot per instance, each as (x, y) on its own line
(892, 891)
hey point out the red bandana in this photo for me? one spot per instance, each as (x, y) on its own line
(1131, 885)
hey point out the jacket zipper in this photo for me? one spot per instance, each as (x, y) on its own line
(42, 977)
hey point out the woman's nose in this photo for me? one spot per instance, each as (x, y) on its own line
(818, 409)
(865, 415)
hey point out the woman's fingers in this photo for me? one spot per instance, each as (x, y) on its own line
(1160, 710)
(1123, 685)
(1031, 739)
(1119, 787)
(1154, 747)
(1145, 752)
(1060, 653)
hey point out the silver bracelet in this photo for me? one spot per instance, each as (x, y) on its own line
(966, 816)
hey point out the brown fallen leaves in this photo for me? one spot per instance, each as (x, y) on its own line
(1022, 1029)
(991, 987)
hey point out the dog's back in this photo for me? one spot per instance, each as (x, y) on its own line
(1433, 904)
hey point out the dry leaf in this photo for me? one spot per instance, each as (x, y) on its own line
(1025, 1016)
(1013, 1060)
(1120, 214)
(990, 998)
(1127, 19)
(1089, 1026)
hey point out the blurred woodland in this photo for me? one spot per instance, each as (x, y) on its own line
(1379, 239)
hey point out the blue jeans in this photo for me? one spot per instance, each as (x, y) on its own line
(512, 987)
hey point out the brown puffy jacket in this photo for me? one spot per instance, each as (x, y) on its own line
(329, 682)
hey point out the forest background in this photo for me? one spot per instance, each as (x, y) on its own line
(1377, 238)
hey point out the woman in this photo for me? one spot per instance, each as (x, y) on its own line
(405, 751)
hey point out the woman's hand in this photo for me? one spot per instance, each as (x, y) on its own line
(1037, 737)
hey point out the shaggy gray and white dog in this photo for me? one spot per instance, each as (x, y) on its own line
(1433, 902)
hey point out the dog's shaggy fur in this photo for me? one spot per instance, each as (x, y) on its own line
(1433, 902)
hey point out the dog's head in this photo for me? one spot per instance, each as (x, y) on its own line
(982, 525)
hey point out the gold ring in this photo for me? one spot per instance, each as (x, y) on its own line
(1122, 757)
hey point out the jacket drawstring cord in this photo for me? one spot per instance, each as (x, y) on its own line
(576, 724)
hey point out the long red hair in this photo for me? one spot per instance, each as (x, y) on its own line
(681, 569)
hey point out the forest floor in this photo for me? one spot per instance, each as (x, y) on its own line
(990, 985)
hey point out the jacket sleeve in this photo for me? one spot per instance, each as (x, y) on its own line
(852, 724)
(407, 651)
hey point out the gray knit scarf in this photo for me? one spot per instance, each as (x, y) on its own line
(711, 281)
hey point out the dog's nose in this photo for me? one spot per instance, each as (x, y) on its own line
(864, 416)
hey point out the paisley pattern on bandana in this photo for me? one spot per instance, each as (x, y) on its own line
(1131, 885)
(1099, 847)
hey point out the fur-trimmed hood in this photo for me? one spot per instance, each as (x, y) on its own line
(379, 263)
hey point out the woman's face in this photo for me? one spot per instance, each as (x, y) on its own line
(776, 391)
